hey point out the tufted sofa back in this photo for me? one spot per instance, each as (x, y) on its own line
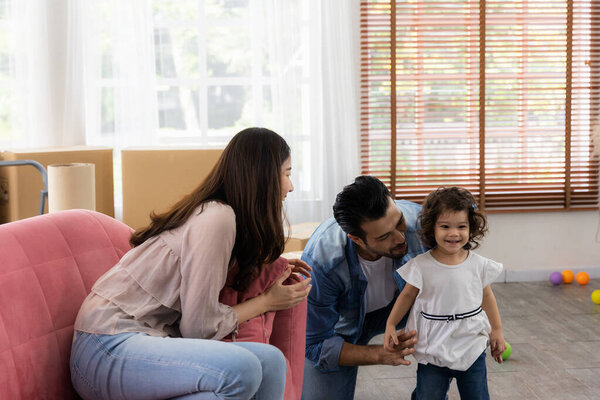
(48, 265)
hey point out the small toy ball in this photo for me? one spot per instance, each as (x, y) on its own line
(556, 278)
(508, 350)
(568, 276)
(582, 278)
(596, 296)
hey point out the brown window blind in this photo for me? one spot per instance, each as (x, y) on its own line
(499, 97)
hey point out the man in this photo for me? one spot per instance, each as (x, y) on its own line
(354, 256)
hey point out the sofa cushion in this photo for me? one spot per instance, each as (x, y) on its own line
(48, 265)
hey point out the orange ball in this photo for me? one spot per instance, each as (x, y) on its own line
(582, 278)
(568, 276)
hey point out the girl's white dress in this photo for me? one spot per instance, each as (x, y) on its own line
(448, 293)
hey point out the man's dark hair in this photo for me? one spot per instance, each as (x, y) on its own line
(366, 199)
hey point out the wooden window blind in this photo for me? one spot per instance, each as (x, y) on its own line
(497, 96)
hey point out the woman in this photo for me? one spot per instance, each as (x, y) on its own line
(150, 328)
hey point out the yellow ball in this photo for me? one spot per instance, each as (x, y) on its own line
(596, 296)
(568, 276)
(582, 278)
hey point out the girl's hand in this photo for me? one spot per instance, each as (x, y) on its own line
(390, 338)
(300, 267)
(497, 345)
(280, 297)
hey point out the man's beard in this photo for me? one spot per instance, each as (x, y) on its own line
(396, 255)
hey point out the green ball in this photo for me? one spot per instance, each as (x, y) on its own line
(507, 352)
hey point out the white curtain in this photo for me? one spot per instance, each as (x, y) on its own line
(340, 120)
(119, 78)
(42, 74)
(315, 52)
(26, 106)
(70, 104)
(87, 75)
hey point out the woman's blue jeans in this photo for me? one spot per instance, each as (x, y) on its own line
(433, 381)
(139, 366)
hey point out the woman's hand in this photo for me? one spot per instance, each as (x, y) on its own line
(300, 267)
(280, 297)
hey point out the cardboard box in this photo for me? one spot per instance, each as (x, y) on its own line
(292, 254)
(300, 233)
(20, 186)
(156, 178)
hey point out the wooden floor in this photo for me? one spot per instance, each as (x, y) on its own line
(554, 332)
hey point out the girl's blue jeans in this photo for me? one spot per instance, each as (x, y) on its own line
(433, 382)
(139, 366)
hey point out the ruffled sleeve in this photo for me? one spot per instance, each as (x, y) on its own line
(491, 271)
(411, 273)
(208, 240)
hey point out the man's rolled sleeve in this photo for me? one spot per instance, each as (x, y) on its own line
(329, 358)
(323, 345)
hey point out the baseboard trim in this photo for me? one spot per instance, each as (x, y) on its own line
(531, 275)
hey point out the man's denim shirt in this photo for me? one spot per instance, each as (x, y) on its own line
(336, 303)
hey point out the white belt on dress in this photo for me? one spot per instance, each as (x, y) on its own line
(452, 317)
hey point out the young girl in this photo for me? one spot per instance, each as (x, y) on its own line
(453, 307)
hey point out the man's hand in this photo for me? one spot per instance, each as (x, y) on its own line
(405, 347)
(354, 355)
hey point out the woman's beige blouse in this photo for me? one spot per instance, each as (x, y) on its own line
(170, 284)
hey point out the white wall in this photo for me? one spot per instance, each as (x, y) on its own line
(532, 245)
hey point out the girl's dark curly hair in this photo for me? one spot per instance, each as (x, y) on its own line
(451, 199)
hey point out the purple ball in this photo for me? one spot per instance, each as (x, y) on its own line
(556, 278)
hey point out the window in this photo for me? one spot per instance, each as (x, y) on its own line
(496, 96)
(210, 70)
(186, 73)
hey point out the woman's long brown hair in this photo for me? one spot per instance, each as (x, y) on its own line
(247, 177)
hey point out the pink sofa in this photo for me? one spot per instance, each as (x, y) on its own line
(48, 265)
